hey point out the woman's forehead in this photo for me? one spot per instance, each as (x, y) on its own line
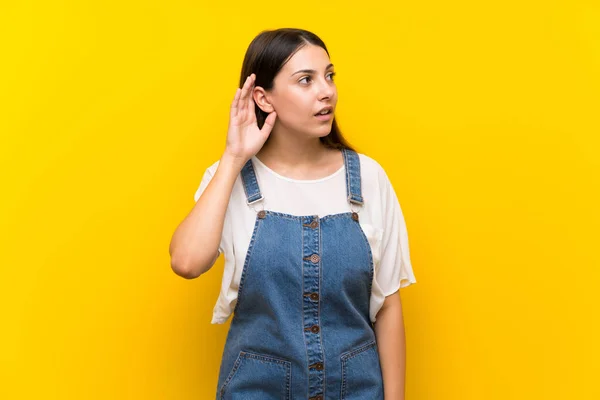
(308, 57)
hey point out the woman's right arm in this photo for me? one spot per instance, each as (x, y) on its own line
(194, 246)
(195, 243)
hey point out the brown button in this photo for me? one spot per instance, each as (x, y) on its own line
(314, 296)
(317, 397)
(262, 214)
(314, 224)
(315, 329)
(317, 366)
(355, 216)
(315, 258)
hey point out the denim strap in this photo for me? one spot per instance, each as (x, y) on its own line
(353, 188)
(250, 183)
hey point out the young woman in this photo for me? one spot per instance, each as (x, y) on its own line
(313, 235)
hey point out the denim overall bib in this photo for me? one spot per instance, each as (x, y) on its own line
(301, 327)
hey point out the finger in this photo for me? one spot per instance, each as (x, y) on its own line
(243, 98)
(245, 90)
(269, 122)
(250, 102)
(235, 103)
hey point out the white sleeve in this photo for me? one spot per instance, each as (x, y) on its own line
(395, 269)
(226, 237)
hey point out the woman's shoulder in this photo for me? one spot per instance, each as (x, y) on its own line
(371, 168)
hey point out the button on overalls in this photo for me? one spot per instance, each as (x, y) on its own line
(301, 327)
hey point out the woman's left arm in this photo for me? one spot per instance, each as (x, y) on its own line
(391, 342)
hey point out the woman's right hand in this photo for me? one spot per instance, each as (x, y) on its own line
(244, 139)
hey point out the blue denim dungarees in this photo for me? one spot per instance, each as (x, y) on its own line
(301, 327)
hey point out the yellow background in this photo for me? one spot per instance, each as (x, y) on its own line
(485, 115)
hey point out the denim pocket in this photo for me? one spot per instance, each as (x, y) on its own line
(361, 373)
(257, 377)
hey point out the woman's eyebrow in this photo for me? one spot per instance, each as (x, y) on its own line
(310, 71)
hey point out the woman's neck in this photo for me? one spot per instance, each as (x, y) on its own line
(299, 158)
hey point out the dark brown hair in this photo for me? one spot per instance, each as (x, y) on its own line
(266, 55)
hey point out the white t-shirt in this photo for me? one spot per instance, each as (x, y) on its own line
(380, 217)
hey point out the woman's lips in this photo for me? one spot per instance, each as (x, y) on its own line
(325, 117)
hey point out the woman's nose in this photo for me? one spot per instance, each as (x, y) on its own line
(326, 90)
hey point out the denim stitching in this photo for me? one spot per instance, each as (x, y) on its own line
(347, 166)
(247, 263)
(338, 215)
(261, 358)
(250, 181)
(348, 179)
(234, 369)
(324, 387)
(302, 313)
(349, 355)
(356, 351)
(354, 165)
(264, 358)
(288, 380)
(312, 216)
(371, 269)
(254, 181)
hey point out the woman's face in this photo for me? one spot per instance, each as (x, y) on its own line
(302, 88)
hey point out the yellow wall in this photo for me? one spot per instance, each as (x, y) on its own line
(485, 115)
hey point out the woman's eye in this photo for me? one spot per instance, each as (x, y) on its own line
(331, 75)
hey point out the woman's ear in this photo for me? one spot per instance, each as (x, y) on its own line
(261, 100)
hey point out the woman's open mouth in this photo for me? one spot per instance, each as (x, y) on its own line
(325, 115)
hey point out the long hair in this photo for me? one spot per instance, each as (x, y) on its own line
(266, 55)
